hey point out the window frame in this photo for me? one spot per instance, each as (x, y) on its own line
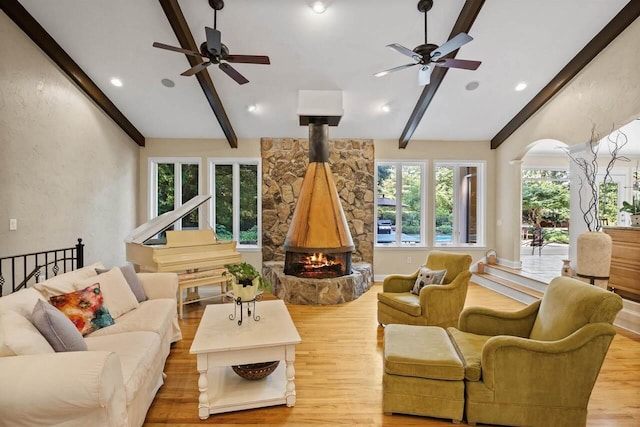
(235, 163)
(152, 196)
(399, 164)
(481, 203)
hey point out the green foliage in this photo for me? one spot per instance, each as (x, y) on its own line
(444, 192)
(245, 272)
(632, 208)
(545, 195)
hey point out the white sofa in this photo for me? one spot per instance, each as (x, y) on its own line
(113, 383)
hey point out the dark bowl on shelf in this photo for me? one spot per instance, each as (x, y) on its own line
(255, 371)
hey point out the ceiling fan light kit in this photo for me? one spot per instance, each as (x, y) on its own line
(215, 52)
(429, 55)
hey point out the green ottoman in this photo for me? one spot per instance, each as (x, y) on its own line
(423, 374)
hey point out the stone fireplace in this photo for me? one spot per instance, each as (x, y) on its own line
(318, 243)
(312, 218)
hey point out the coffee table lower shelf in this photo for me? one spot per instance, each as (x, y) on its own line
(225, 391)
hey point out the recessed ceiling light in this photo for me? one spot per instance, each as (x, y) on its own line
(385, 108)
(252, 108)
(116, 82)
(472, 86)
(521, 86)
(167, 82)
(318, 7)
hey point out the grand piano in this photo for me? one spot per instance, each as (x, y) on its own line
(196, 255)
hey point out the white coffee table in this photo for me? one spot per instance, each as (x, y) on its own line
(220, 343)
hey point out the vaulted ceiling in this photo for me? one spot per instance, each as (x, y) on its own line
(543, 43)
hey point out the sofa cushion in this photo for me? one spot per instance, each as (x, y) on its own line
(22, 302)
(18, 336)
(57, 328)
(85, 308)
(426, 277)
(469, 348)
(421, 351)
(132, 279)
(157, 315)
(140, 357)
(403, 301)
(64, 283)
(118, 297)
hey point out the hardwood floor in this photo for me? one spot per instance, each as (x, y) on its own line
(339, 373)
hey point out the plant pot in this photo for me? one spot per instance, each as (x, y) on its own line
(246, 292)
(635, 220)
(594, 256)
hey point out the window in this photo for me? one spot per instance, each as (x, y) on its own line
(399, 206)
(459, 203)
(174, 181)
(236, 201)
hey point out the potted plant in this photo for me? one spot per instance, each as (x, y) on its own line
(246, 281)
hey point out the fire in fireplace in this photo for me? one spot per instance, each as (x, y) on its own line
(318, 265)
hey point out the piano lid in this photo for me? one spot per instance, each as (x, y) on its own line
(162, 222)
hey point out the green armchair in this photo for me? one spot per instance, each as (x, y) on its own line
(537, 366)
(437, 305)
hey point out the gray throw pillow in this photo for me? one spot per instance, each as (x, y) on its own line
(132, 279)
(428, 277)
(56, 328)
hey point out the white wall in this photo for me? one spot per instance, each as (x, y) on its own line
(605, 94)
(66, 169)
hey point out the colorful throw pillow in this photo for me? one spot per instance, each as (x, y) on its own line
(56, 328)
(428, 277)
(132, 279)
(84, 308)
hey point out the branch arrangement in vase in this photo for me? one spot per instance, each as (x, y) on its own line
(588, 165)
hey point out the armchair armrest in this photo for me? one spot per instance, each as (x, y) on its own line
(486, 321)
(399, 282)
(53, 388)
(159, 285)
(444, 302)
(554, 372)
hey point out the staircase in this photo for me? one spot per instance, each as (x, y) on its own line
(510, 282)
(527, 289)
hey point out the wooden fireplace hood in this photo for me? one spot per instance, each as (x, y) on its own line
(318, 223)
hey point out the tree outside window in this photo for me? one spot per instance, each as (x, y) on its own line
(459, 201)
(399, 204)
(235, 189)
(175, 181)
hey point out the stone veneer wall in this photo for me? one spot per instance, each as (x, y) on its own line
(284, 162)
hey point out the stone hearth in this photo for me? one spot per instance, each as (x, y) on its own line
(296, 290)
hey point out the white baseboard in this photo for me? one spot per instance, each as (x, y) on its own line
(629, 316)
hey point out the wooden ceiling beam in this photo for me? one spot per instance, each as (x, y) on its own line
(467, 17)
(185, 38)
(27, 23)
(617, 25)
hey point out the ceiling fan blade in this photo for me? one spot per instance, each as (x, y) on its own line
(392, 70)
(176, 49)
(233, 73)
(248, 59)
(197, 68)
(214, 43)
(458, 63)
(405, 51)
(424, 75)
(451, 45)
